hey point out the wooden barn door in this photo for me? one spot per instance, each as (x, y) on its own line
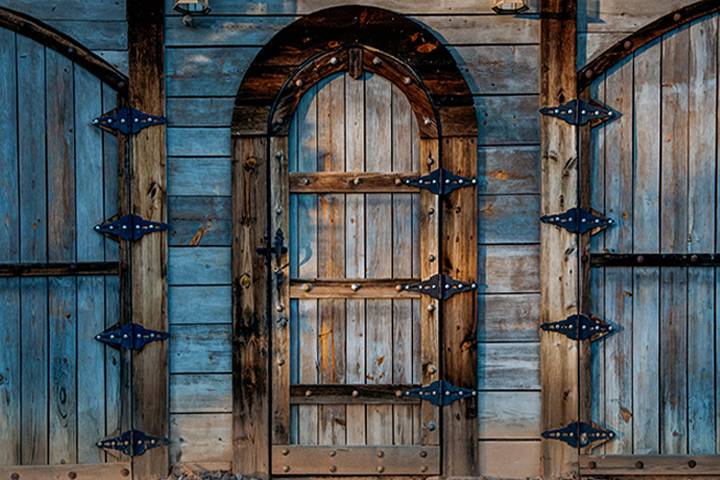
(350, 338)
(654, 382)
(60, 388)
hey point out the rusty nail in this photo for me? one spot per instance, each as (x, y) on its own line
(355, 287)
(356, 180)
(306, 287)
(423, 453)
(306, 181)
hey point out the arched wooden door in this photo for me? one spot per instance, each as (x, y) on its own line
(653, 383)
(354, 253)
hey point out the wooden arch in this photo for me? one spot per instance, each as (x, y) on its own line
(350, 39)
(353, 39)
(63, 44)
(642, 37)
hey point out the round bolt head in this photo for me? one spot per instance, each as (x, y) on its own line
(286, 452)
(332, 468)
(380, 469)
(333, 61)
(298, 83)
(380, 454)
(377, 61)
(355, 393)
(356, 180)
(308, 393)
(286, 468)
(407, 80)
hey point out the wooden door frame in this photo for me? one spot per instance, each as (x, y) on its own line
(564, 277)
(352, 39)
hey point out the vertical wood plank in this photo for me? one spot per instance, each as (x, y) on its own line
(702, 124)
(10, 333)
(646, 238)
(331, 253)
(149, 256)
(559, 248)
(674, 220)
(251, 379)
(459, 313)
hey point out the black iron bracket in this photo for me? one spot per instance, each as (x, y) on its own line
(579, 220)
(578, 112)
(440, 287)
(277, 248)
(440, 393)
(130, 336)
(580, 327)
(132, 443)
(579, 434)
(127, 121)
(441, 182)
(130, 227)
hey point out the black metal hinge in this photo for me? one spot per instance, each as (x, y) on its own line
(441, 182)
(130, 227)
(440, 393)
(127, 121)
(579, 220)
(579, 112)
(440, 287)
(580, 327)
(579, 434)
(130, 336)
(132, 443)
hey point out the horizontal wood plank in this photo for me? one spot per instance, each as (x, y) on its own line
(205, 304)
(197, 141)
(200, 112)
(201, 438)
(683, 465)
(105, 35)
(508, 120)
(509, 415)
(623, 16)
(109, 471)
(509, 318)
(190, 177)
(509, 366)
(509, 269)
(200, 221)
(199, 266)
(508, 170)
(509, 219)
(350, 394)
(200, 349)
(351, 182)
(355, 460)
(201, 393)
(356, 288)
(510, 459)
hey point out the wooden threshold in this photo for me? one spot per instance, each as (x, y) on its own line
(354, 288)
(360, 460)
(350, 394)
(351, 182)
(663, 465)
(105, 471)
(59, 269)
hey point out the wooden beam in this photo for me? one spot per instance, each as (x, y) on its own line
(348, 182)
(106, 471)
(559, 248)
(359, 288)
(149, 255)
(312, 394)
(664, 465)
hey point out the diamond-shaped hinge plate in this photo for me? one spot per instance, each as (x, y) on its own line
(132, 443)
(579, 220)
(441, 182)
(580, 327)
(579, 112)
(440, 287)
(130, 336)
(127, 121)
(579, 434)
(130, 227)
(440, 393)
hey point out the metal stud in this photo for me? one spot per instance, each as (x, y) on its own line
(407, 80)
(377, 61)
(286, 452)
(380, 469)
(333, 61)
(298, 83)
(357, 180)
(380, 454)
(286, 468)
(355, 287)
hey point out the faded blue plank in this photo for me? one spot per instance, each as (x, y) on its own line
(508, 170)
(111, 184)
(100, 10)
(225, 31)
(508, 120)
(206, 71)
(200, 349)
(499, 69)
(8, 151)
(509, 366)
(118, 59)
(200, 305)
(200, 112)
(10, 414)
(509, 269)
(199, 176)
(199, 266)
(200, 221)
(113, 399)
(509, 219)
(95, 35)
(193, 142)
(508, 317)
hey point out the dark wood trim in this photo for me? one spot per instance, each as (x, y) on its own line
(654, 260)
(342, 182)
(358, 288)
(350, 394)
(664, 465)
(637, 40)
(149, 255)
(106, 471)
(59, 269)
(559, 254)
(52, 38)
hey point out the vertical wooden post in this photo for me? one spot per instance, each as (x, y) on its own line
(559, 248)
(149, 255)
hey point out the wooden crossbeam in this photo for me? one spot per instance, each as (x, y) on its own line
(351, 182)
(59, 269)
(665, 465)
(350, 394)
(353, 288)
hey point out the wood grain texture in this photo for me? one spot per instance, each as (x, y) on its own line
(112, 471)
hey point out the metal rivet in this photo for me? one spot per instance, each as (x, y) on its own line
(355, 393)
(333, 453)
(432, 369)
(356, 180)
(431, 307)
(298, 83)
(430, 160)
(407, 80)
(333, 61)
(306, 287)
(398, 393)
(431, 211)
(380, 469)
(308, 393)
(380, 454)
(398, 287)
(423, 453)
(427, 121)
(281, 361)
(640, 259)
(279, 210)
(692, 464)
(72, 475)
(589, 73)
(286, 468)
(280, 308)
(286, 452)
(15, 476)
(355, 287)
(377, 61)
(124, 472)
(305, 181)
(398, 181)
(332, 468)
(592, 465)
(431, 258)
(423, 469)
(628, 44)
(639, 465)
(677, 17)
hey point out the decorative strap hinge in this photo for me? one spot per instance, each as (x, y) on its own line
(132, 443)
(441, 182)
(130, 227)
(440, 287)
(579, 220)
(578, 112)
(580, 327)
(130, 336)
(440, 393)
(579, 434)
(127, 121)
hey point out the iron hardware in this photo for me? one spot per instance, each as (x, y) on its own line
(579, 434)
(130, 336)
(578, 112)
(130, 227)
(440, 287)
(132, 443)
(277, 248)
(579, 220)
(440, 393)
(580, 327)
(127, 121)
(441, 182)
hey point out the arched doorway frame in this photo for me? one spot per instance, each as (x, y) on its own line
(352, 39)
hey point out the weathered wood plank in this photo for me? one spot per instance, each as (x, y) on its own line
(509, 366)
(103, 10)
(653, 466)
(352, 288)
(510, 459)
(351, 182)
(201, 438)
(200, 221)
(193, 304)
(509, 415)
(509, 219)
(199, 176)
(199, 111)
(619, 16)
(95, 35)
(499, 69)
(201, 393)
(197, 141)
(509, 269)
(112, 471)
(199, 266)
(200, 348)
(508, 120)
(508, 317)
(508, 170)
